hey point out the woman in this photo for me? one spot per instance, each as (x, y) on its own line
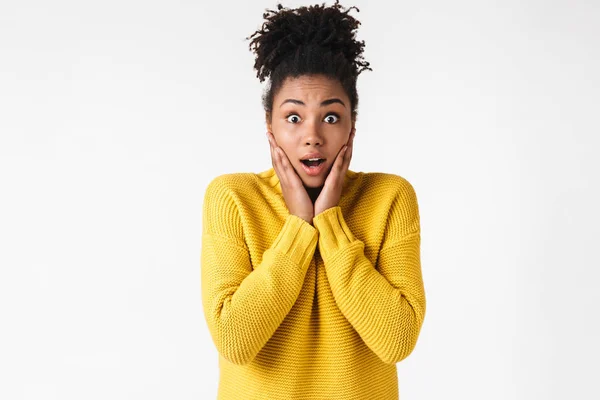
(311, 277)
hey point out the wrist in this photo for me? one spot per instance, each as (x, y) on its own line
(308, 219)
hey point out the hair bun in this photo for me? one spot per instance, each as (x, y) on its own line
(289, 32)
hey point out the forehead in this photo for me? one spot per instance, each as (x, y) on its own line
(310, 88)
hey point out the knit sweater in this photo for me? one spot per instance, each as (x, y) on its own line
(311, 311)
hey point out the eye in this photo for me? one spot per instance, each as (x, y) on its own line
(291, 115)
(334, 115)
(337, 117)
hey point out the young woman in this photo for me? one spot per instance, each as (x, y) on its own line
(310, 272)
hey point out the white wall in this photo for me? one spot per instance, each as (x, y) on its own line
(115, 115)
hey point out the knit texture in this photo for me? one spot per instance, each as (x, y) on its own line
(298, 311)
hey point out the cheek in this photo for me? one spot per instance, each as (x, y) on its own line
(286, 145)
(290, 153)
(285, 141)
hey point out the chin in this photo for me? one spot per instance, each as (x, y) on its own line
(314, 185)
(313, 181)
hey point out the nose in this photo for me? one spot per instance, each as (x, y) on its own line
(312, 135)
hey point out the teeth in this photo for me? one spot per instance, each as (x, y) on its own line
(313, 159)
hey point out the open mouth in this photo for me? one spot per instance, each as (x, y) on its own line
(313, 162)
(313, 166)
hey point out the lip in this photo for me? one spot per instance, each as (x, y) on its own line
(313, 171)
(312, 155)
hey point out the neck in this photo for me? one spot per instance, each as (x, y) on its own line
(313, 193)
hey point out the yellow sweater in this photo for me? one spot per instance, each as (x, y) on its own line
(298, 311)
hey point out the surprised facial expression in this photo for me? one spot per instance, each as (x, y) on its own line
(311, 114)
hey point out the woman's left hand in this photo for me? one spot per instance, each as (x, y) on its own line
(332, 189)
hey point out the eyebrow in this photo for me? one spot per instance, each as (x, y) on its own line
(324, 103)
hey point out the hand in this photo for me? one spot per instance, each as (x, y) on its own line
(295, 195)
(332, 189)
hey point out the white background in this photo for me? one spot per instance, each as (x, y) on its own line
(115, 115)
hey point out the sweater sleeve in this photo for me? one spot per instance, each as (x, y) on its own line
(385, 303)
(244, 306)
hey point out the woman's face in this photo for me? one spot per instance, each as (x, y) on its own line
(311, 114)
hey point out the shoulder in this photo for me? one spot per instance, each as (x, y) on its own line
(227, 193)
(230, 184)
(396, 195)
(221, 215)
(389, 185)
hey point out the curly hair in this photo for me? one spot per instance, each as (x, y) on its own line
(308, 41)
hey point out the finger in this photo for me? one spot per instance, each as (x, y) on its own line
(350, 145)
(272, 139)
(275, 151)
(349, 151)
(343, 162)
(351, 138)
(287, 168)
(347, 157)
(272, 150)
(285, 171)
(285, 163)
(339, 160)
(275, 158)
(293, 178)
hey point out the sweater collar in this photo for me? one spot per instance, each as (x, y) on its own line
(271, 178)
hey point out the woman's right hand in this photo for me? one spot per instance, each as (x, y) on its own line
(295, 195)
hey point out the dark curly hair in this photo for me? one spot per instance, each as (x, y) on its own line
(306, 41)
